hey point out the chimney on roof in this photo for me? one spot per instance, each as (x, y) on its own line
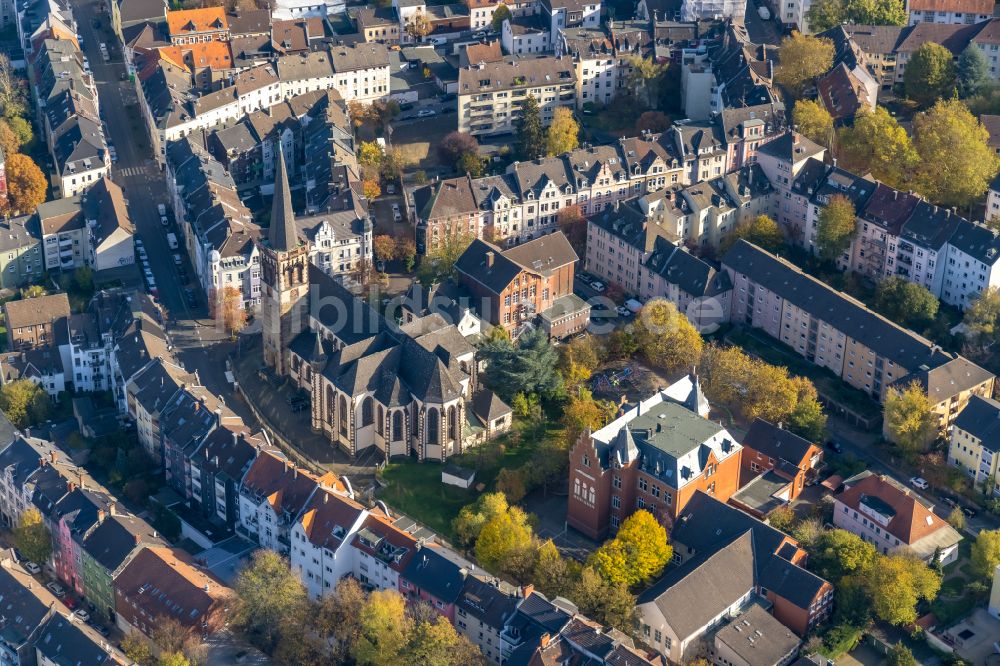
(527, 590)
(100, 515)
(52, 455)
(113, 509)
(489, 259)
(545, 639)
(326, 497)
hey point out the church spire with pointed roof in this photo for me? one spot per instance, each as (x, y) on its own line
(282, 235)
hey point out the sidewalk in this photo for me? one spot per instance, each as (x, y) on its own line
(266, 399)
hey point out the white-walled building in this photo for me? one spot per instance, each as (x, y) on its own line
(320, 540)
(891, 517)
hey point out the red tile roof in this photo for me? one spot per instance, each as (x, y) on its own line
(186, 21)
(167, 582)
(328, 517)
(912, 522)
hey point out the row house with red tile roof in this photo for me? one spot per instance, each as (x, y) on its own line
(273, 493)
(164, 583)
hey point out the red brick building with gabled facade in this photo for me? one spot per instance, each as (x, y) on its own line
(512, 287)
(768, 447)
(654, 457)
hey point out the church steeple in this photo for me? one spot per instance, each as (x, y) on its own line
(283, 235)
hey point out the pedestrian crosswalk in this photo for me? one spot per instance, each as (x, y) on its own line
(132, 171)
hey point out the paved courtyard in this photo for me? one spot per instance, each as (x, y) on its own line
(266, 395)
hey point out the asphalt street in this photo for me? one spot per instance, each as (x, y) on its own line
(202, 348)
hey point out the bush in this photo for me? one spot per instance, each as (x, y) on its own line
(840, 639)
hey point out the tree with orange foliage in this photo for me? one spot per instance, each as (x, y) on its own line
(26, 185)
(572, 223)
(229, 310)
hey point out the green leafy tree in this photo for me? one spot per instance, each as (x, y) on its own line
(511, 483)
(505, 543)
(500, 14)
(982, 318)
(269, 596)
(406, 251)
(32, 537)
(470, 520)
(563, 133)
(455, 147)
(956, 162)
(529, 132)
(896, 584)
(645, 78)
(637, 554)
(173, 659)
(813, 121)
(877, 144)
(581, 412)
(906, 303)
(25, 403)
(986, 553)
(439, 261)
(436, 643)
(807, 420)
(825, 14)
(665, 337)
(22, 129)
(529, 367)
(838, 553)
(783, 518)
(761, 230)
(876, 12)
(956, 519)
(553, 574)
(471, 164)
(900, 655)
(836, 228)
(929, 74)
(609, 603)
(909, 420)
(384, 630)
(801, 59)
(972, 73)
(135, 646)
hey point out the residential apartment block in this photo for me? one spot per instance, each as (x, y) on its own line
(490, 95)
(828, 328)
(975, 442)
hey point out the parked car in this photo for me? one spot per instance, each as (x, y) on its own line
(623, 311)
(56, 589)
(32, 568)
(161, 209)
(597, 286)
(178, 260)
(950, 502)
(919, 482)
(191, 297)
(100, 628)
(81, 614)
(164, 221)
(969, 511)
(835, 446)
(426, 113)
(397, 215)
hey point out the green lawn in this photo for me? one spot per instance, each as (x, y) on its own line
(416, 489)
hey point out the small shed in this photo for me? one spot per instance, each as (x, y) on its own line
(453, 475)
